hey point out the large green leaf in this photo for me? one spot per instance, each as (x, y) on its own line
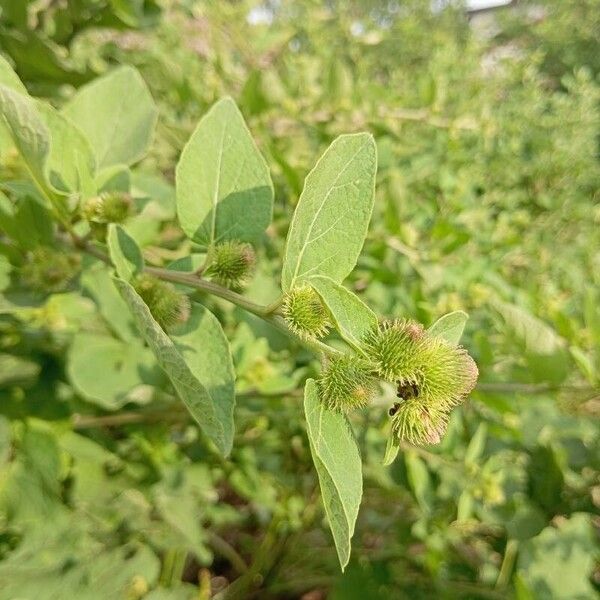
(205, 349)
(28, 131)
(224, 189)
(545, 352)
(192, 392)
(337, 460)
(117, 115)
(70, 165)
(60, 558)
(352, 317)
(450, 326)
(124, 252)
(56, 153)
(11, 80)
(105, 370)
(558, 562)
(331, 220)
(98, 282)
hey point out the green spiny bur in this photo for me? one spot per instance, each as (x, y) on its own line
(49, 270)
(168, 306)
(305, 313)
(108, 207)
(395, 348)
(415, 422)
(347, 383)
(231, 263)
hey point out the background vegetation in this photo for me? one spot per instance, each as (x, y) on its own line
(487, 201)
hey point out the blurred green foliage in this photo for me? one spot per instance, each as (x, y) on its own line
(487, 201)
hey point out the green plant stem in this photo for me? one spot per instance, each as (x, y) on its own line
(173, 565)
(226, 550)
(508, 563)
(267, 313)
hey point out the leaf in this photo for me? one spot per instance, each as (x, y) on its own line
(450, 326)
(191, 391)
(558, 562)
(5, 269)
(11, 80)
(27, 222)
(17, 370)
(105, 370)
(124, 252)
(28, 131)
(331, 220)
(117, 115)
(99, 284)
(476, 445)
(419, 480)
(392, 448)
(537, 336)
(337, 460)
(352, 317)
(545, 351)
(70, 562)
(70, 165)
(205, 349)
(224, 189)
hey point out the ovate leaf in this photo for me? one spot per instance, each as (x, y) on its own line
(28, 131)
(392, 448)
(337, 460)
(104, 370)
(352, 317)
(117, 115)
(124, 252)
(450, 326)
(71, 165)
(545, 352)
(224, 189)
(205, 349)
(333, 213)
(559, 561)
(9, 78)
(189, 388)
(98, 283)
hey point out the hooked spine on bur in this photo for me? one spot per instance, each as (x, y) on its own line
(168, 306)
(231, 263)
(305, 313)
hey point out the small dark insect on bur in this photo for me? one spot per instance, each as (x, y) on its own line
(405, 391)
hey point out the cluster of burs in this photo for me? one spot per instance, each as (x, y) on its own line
(431, 375)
